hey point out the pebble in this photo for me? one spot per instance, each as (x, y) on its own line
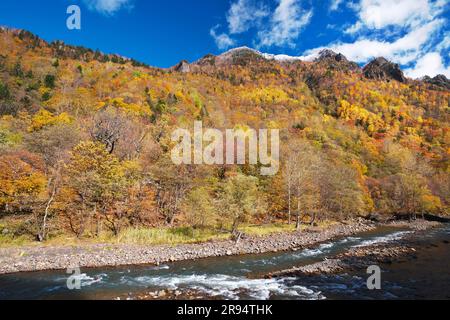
(102, 255)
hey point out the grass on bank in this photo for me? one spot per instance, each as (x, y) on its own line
(155, 236)
(172, 236)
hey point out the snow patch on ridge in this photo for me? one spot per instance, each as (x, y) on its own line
(267, 56)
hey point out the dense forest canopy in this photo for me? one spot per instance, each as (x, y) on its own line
(85, 140)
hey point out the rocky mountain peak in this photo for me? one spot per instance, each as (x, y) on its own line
(182, 66)
(329, 54)
(382, 69)
(335, 60)
(236, 56)
(439, 81)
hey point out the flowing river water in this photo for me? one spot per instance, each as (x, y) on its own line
(427, 275)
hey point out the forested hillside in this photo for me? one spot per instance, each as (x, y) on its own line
(85, 141)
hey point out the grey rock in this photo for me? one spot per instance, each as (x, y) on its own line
(440, 81)
(382, 69)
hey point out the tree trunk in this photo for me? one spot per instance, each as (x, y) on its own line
(289, 202)
(297, 226)
(234, 227)
(313, 219)
(42, 236)
(289, 199)
(43, 233)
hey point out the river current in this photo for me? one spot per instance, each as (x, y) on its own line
(426, 276)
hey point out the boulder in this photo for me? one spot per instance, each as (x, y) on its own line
(382, 69)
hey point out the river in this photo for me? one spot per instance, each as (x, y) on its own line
(427, 275)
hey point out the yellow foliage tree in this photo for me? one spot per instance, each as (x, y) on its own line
(45, 118)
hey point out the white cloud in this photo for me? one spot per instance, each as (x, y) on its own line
(431, 65)
(244, 14)
(403, 50)
(223, 41)
(444, 44)
(354, 28)
(334, 5)
(278, 27)
(286, 24)
(378, 14)
(403, 31)
(108, 7)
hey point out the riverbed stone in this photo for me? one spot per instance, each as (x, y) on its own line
(41, 257)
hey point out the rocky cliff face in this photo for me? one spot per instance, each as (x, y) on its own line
(382, 69)
(336, 61)
(315, 72)
(183, 66)
(440, 81)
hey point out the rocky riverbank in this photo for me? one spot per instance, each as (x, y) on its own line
(361, 257)
(27, 259)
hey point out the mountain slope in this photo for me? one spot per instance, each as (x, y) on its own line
(92, 132)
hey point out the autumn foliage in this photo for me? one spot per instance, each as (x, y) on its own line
(85, 141)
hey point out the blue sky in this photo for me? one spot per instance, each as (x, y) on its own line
(413, 33)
